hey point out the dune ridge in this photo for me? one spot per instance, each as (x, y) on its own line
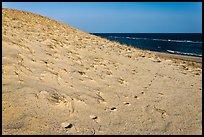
(59, 80)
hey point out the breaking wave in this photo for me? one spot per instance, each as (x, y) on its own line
(190, 54)
(167, 40)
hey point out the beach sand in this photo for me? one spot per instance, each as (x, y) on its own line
(59, 80)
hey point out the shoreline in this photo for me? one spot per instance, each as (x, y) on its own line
(166, 55)
(144, 47)
(192, 61)
(180, 57)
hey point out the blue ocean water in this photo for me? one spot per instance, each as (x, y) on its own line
(175, 43)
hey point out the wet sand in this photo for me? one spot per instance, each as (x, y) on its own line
(180, 57)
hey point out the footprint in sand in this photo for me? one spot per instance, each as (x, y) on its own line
(136, 97)
(93, 117)
(113, 108)
(126, 103)
(66, 125)
(142, 92)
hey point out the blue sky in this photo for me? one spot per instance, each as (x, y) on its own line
(125, 17)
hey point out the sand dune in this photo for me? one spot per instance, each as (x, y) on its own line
(59, 80)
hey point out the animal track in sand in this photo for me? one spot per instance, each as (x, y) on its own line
(109, 73)
(100, 99)
(81, 72)
(134, 71)
(121, 81)
(162, 111)
(150, 83)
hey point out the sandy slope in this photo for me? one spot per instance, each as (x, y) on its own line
(53, 73)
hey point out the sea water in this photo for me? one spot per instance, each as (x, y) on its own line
(175, 43)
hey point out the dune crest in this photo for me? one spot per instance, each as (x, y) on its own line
(59, 80)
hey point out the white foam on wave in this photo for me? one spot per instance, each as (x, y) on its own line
(183, 41)
(177, 52)
(169, 40)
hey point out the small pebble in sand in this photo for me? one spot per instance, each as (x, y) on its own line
(66, 125)
(93, 117)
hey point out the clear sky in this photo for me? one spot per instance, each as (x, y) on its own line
(125, 17)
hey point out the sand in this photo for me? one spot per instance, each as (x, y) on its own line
(59, 80)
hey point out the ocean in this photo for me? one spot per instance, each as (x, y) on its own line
(175, 43)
